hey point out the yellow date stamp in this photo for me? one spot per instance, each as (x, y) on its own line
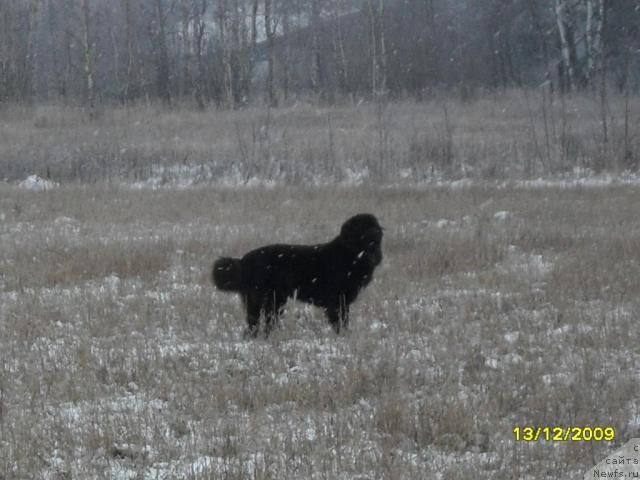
(564, 434)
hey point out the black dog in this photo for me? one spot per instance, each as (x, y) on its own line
(329, 275)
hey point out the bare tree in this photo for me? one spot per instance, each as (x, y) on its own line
(248, 41)
(340, 57)
(32, 52)
(225, 46)
(87, 48)
(187, 53)
(163, 70)
(114, 35)
(270, 25)
(541, 33)
(18, 49)
(383, 47)
(5, 13)
(67, 39)
(594, 39)
(131, 81)
(286, 58)
(377, 46)
(317, 74)
(199, 28)
(565, 19)
(602, 22)
(53, 39)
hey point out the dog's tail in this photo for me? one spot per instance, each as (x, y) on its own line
(227, 274)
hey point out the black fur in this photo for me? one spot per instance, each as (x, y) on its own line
(329, 275)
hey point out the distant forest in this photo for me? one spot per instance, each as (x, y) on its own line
(229, 53)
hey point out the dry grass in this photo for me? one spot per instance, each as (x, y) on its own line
(119, 360)
(509, 134)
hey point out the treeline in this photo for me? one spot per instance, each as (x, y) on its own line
(232, 52)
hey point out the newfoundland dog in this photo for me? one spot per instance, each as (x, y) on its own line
(328, 275)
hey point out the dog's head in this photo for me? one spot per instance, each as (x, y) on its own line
(363, 233)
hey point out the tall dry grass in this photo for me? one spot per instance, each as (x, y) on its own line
(506, 134)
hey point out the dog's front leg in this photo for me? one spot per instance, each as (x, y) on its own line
(338, 315)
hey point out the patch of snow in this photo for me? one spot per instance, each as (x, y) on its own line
(63, 221)
(485, 204)
(511, 337)
(513, 358)
(560, 378)
(405, 172)
(377, 325)
(534, 265)
(281, 379)
(120, 472)
(310, 434)
(492, 363)
(34, 182)
(502, 215)
(74, 412)
(355, 177)
(579, 178)
(201, 465)
(443, 223)
(112, 282)
(634, 423)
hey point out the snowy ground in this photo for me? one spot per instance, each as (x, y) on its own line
(495, 307)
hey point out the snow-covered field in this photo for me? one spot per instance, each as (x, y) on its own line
(495, 307)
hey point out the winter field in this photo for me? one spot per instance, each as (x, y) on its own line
(496, 306)
(507, 297)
